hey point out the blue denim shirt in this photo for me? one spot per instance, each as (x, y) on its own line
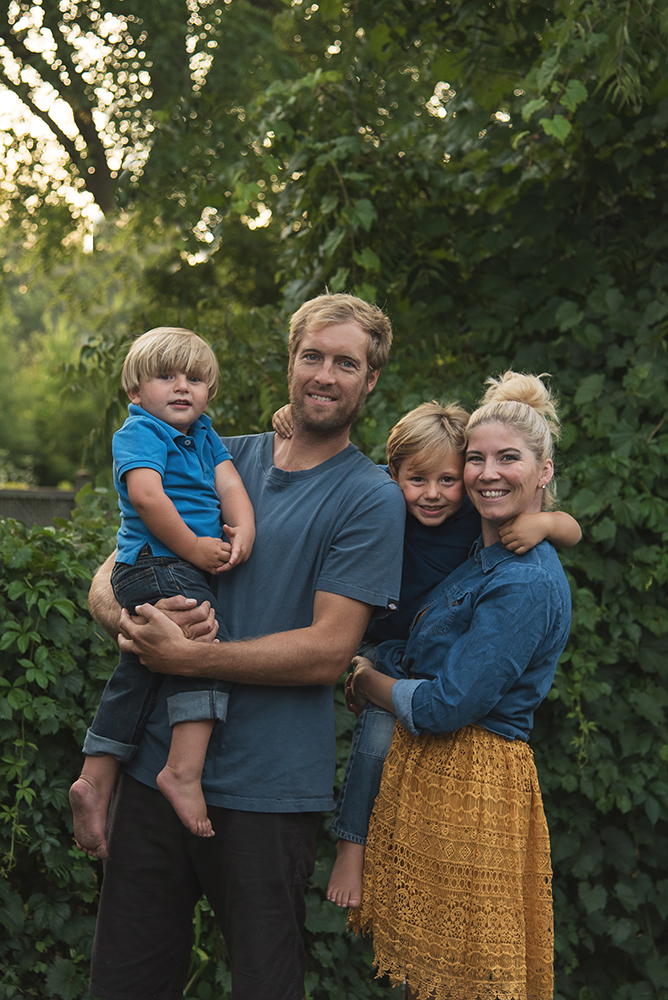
(486, 647)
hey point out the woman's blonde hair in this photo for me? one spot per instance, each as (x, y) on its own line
(429, 427)
(166, 349)
(524, 403)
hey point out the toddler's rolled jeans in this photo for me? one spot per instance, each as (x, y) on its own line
(129, 696)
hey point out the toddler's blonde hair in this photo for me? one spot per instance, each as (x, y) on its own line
(166, 349)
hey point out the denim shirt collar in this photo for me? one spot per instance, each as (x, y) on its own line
(489, 556)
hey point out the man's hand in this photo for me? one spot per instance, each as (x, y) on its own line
(157, 640)
(196, 621)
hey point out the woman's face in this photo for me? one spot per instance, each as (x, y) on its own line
(501, 474)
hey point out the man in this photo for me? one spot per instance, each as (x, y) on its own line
(327, 552)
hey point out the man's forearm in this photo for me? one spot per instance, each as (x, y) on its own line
(285, 659)
(317, 654)
(102, 604)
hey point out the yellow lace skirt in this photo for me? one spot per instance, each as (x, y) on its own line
(457, 875)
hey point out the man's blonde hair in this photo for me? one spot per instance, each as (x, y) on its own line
(166, 349)
(431, 427)
(327, 310)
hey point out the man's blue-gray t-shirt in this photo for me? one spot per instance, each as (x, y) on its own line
(336, 528)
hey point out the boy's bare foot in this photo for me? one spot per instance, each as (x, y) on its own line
(89, 813)
(187, 798)
(345, 882)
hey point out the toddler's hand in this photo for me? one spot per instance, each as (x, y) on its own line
(282, 421)
(241, 539)
(210, 554)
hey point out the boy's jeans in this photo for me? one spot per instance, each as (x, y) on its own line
(129, 696)
(371, 741)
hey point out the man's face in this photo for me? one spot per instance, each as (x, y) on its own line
(329, 378)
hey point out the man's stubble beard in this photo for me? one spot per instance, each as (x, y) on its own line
(328, 424)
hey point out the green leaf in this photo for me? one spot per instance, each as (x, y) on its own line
(575, 94)
(365, 213)
(333, 240)
(531, 107)
(368, 259)
(590, 388)
(558, 126)
(593, 897)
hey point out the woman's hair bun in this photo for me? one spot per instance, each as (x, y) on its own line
(520, 387)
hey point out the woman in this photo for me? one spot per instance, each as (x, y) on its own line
(457, 876)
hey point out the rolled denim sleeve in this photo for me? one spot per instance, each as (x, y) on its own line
(402, 700)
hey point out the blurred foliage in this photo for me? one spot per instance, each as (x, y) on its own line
(494, 175)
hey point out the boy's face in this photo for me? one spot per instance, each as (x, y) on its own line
(176, 398)
(433, 489)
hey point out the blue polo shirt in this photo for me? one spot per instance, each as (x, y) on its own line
(187, 464)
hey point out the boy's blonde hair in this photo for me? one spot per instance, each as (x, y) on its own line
(327, 310)
(166, 349)
(429, 427)
(526, 405)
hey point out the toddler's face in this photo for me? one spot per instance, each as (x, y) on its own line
(433, 488)
(176, 398)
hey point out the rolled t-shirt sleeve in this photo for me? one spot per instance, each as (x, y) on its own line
(365, 556)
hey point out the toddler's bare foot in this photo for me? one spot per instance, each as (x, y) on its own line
(187, 798)
(345, 882)
(89, 813)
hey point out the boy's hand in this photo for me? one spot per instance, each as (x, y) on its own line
(210, 554)
(282, 421)
(241, 539)
(521, 533)
(355, 701)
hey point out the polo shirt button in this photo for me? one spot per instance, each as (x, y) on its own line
(188, 442)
